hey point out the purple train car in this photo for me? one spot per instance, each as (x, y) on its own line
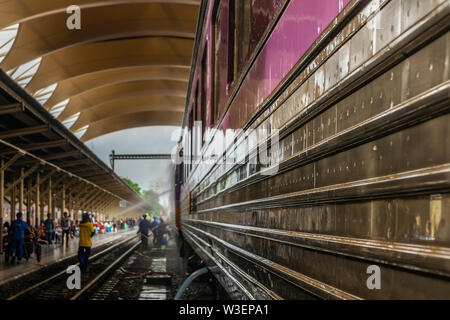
(315, 155)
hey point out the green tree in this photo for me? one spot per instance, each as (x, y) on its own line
(152, 198)
(133, 185)
(149, 196)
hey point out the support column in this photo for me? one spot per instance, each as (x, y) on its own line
(42, 205)
(29, 217)
(70, 206)
(22, 178)
(38, 213)
(13, 204)
(2, 199)
(63, 198)
(2, 189)
(54, 217)
(76, 199)
(50, 197)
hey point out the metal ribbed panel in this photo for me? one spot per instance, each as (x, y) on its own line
(363, 174)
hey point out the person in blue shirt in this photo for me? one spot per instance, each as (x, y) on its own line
(160, 230)
(18, 227)
(154, 225)
(144, 228)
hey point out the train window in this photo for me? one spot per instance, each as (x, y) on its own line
(189, 203)
(242, 26)
(249, 19)
(203, 94)
(217, 51)
(191, 140)
(197, 133)
(181, 174)
(262, 14)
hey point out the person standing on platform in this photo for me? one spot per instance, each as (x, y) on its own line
(144, 227)
(75, 229)
(84, 250)
(8, 241)
(42, 231)
(57, 231)
(154, 228)
(160, 231)
(49, 226)
(65, 225)
(18, 227)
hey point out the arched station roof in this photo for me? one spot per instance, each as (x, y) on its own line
(128, 66)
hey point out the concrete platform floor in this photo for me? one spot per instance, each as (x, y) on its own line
(55, 253)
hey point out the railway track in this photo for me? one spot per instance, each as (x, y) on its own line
(101, 264)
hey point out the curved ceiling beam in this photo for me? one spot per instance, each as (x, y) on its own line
(127, 106)
(46, 35)
(15, 11)
(78, 85)
(134, 89)
(134, 120)
(93, 57)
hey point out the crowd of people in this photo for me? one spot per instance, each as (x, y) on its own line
(158, 228)
(21, 240)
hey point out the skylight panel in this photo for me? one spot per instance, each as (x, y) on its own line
(80, 132)
(23, 74)
(69, 122)
(7, 39)
(57, 109)
(43, 95)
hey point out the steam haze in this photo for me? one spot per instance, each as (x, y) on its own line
(149, 174)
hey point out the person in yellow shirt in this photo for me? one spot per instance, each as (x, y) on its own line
(86, 232)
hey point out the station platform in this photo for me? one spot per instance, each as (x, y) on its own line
(55, 253)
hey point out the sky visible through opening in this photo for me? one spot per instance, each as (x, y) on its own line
(149, 174)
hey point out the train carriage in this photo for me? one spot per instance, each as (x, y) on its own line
(315, 155)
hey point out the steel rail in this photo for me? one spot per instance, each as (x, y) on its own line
(64, 272)
(104, 272)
